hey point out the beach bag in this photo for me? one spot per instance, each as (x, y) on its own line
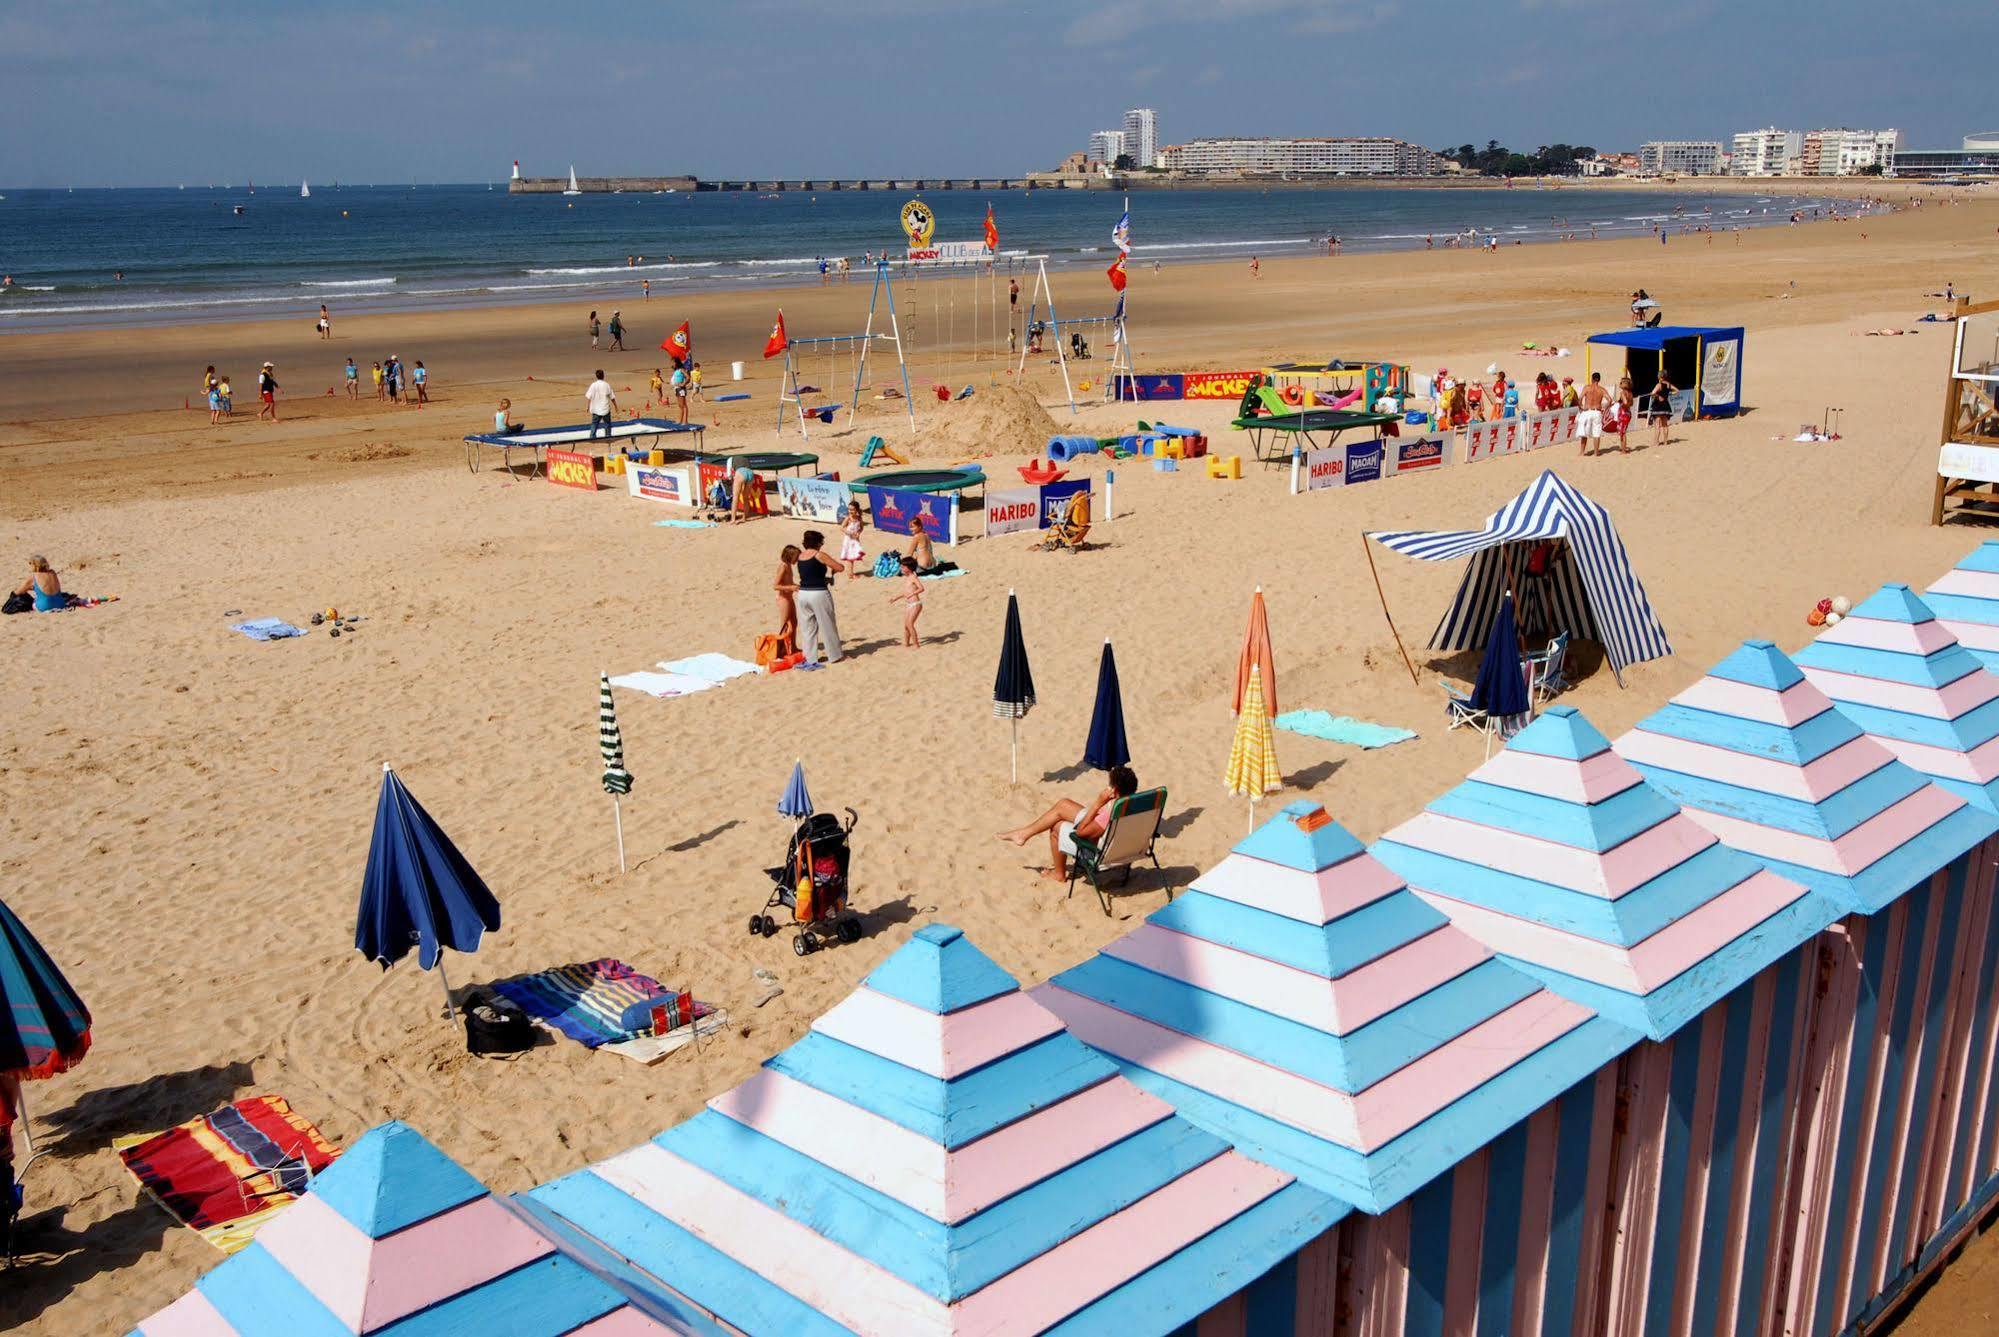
(888, 565)
(497, 1025)
(770, 647)
(18, 603)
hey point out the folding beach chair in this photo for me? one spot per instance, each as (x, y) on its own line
(1130, 833)
(1462, 714)
(1546, 681)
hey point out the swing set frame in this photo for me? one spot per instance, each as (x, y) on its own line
(1117, 374)
(858, 344)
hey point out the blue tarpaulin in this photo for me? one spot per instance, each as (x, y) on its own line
(1706, 358)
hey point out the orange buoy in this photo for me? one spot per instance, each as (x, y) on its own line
(1291, 394)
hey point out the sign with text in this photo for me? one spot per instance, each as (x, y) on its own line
(1150, 385)
(1013, 509)
(897, 510)
(1364, 461)
(819, 499)
(1055, 499)
(1415, 454)
(567, 468)
(1326, 467)
(1483, 440)
(673, 486)
(1214, 384)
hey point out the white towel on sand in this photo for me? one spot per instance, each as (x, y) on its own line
(661, 684)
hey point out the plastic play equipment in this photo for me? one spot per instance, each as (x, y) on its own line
(1038, 472)
(856, 347)
(920, 480)
(1117, 376)
(1063, 449)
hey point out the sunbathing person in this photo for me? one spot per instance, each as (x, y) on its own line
(44, 585)
(1068, 819)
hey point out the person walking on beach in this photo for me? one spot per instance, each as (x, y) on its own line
(223, 393)
(1255, 268)
(617, 333)
(602, 402)
(851, 528)
(1660, 411)
(214, 399)
(267, 391)
(392, 371)
(381, 384)
(595, 328)
(818, 629)
(1589, 423)
(645, 288)
(421, 379)
(694, 381)
(325, 323)
(1627, 407)
(656, 383)
(352, 375)
(912, 599)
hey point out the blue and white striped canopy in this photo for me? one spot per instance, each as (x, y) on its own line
(1594, 596)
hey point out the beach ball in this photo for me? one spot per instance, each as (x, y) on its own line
(1815, 618)
(1841, 605)
(1825, 605)
(1832, 619)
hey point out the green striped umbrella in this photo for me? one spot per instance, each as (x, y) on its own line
(617, 780)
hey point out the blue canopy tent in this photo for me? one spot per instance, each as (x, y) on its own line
(1703, 359)
(1582, 585)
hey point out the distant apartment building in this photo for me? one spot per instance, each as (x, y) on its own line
(1106, 147)
(1770, 152)
(1680, 157)
(1141, 136)
(1844, 152)
(1346, 156)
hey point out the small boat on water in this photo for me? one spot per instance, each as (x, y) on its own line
(304, 191)
(573, 190)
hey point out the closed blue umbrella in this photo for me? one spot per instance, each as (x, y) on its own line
(1107, 746)
(1501, 688)
(418, 891)
(797, 800)
(1013, 685)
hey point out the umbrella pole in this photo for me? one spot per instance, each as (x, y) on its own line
(1016, 751)
(1384, 610)
(449, 1015)
(618, 819)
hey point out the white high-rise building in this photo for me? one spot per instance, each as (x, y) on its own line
(1349, 156)
(1681, 157)
(1105, 147)
(1770, 152)
(1141, 136)
(1848, 152)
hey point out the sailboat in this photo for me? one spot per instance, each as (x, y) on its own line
(304, 191)
(573, 190)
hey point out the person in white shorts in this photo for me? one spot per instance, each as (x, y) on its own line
(1589, 423)
(1062, 821)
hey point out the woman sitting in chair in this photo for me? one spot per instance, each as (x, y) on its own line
(1068, 819)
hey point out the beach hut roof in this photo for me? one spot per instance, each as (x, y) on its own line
(1301, 1002)
(1655, 337)
(1966, 601)
(1759, 756)
(1902, 677)
(395, 1236)
(1557, 854)
(1596, 594)
(939, 1155)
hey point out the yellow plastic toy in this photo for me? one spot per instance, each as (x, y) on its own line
(657, 458)
(1171, 449)
(1225, 466)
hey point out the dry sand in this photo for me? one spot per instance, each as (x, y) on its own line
(184, 814)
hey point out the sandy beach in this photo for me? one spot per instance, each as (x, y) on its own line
(184, 814)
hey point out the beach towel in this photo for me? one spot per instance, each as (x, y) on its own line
(267, 629)
(662, 684)
(711, 667)
(941, 575)
(1341, 728)
(224, 1174)
(588, 1001)
(683, 524)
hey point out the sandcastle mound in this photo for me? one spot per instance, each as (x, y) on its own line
(996, 420)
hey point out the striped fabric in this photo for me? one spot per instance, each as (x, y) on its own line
(224, 1174)
(1594, 594)
(617, 780)
(396, 1238)
(1966, 601)
(586, 1001)
(938, 1155)
(1894, 669)
(1253, 770)
(1557, 855)
(1301, 1002)
(1759, 756)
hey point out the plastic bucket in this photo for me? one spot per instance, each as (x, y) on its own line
(735, 371)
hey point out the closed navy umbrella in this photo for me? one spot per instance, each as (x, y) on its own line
(1107, 746)
(418, 891)
(1501, 688)
(1013, 685)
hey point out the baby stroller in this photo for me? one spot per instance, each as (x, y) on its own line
(820, 846)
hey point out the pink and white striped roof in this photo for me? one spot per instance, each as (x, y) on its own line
(1966, 601)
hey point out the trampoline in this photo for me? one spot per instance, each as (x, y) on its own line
(1266, 434)
(542, 438)
(767, 461)
(921, 480)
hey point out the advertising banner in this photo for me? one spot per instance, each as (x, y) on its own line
(818, 499)
(1538, 430)
(1055, 499)
(1364, 461)
(1214, 384)
(895, 510)
(1013, 509)
(1719, 375)
(757, 504)
(566, 468)
(1150, 385)
(1325, 468)
(673, 486)
(1415, 454)
(1480, 440)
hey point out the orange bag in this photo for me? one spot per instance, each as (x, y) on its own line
(771, 647)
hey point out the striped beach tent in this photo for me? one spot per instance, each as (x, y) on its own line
(1559, 856)
(1303, 1003)
(1593, 594)
(396, 1238)
(938, 1155)
(1760, 757)
(1966, 600)
(1902, 677)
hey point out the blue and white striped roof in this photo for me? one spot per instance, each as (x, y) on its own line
(1557, 854)
(1894, 669)
(1759, 756)
(1966, 600)
(940, 1156)
(1299, 1001)
(1594, 594)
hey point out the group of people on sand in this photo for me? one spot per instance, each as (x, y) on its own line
(221, 396)
(617, 329)
(1460, 403)
(806, 575)
(388, 380)
(683, 383)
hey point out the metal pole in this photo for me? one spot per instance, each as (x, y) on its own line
(618, 817)
(1384, 610)
(1016, 751)
(449, 1015)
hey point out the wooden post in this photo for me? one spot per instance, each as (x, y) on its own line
(1384, 611)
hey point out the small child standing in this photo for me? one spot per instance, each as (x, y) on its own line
(422, 380)
(912, 599)
(658, 386)
(850, 545)
(222, 392)
(353, 375)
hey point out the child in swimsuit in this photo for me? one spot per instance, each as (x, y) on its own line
(912, 597)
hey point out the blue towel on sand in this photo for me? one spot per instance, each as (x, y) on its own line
(1341, 728)
(683, 524)
(268, 629)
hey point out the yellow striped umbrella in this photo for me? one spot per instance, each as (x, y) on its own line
(1253, 766)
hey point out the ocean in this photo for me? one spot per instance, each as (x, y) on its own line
(188, 254)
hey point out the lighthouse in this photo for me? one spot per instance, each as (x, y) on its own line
(517, 170)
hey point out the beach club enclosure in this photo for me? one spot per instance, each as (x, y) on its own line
(1704, 360)
(1695, 1032)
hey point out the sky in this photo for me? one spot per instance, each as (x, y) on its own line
(144, 92)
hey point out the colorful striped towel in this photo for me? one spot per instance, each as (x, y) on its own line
(224, 1174)
(586, 1001)
(1341, 728)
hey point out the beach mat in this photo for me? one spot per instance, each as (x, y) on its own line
(683, 524)
(1341, 728)
(267, 629)
(224, 1174)
(711, 667)
(661, 684)
(588, 1001)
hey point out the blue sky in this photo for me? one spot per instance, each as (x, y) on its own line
(130, 92)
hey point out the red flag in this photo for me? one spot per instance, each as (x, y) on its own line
(1116, 274)
(680, 343)
(992, 231)
(777, 342)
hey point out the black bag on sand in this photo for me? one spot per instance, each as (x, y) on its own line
(17, 602)
(496, 1025)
